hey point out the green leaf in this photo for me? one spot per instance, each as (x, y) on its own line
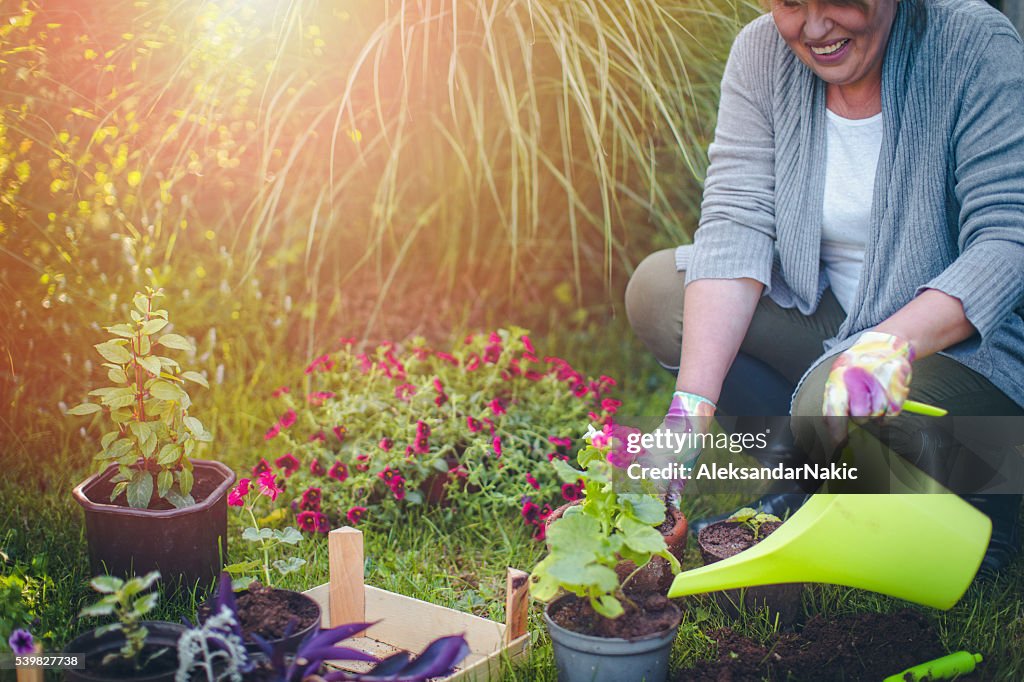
(84, 409)
(289, 535)
(122, 330)
(109, 438)
(289, 565)
(145, 346)
(141, 302)
(114, 351)
(196, 377)
(164, 481)
(576, 534)
(543, 586)
(413, 497)
(194, 426)
(169, 454)
(146, 603)
(148, 444)
(647, 509)
(571, 570)
(98, 609)
(153, 326)
(164, 390)
(185, 481)
(120, 447)
(140, 490)
(566, 472)
(601, 578)
(242, 567)
(106, 584)
(608, 606)
(179, 501)
(117, 375)
(150, 363)
(118, 489)
(177, 342)
(640, 537)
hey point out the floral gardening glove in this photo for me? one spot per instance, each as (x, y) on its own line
(869, 379)
(687, 413)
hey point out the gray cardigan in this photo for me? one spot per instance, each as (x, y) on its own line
(948, 209)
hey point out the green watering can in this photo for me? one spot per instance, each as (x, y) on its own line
(924, 548)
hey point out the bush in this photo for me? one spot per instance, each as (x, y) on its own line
(474, 428)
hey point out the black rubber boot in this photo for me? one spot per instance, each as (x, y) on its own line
(1004, 510)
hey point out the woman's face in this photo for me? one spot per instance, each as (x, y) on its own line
(839, 41)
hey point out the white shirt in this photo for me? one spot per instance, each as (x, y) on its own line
(851, 160)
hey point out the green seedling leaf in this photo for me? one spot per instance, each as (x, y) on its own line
(608, 606)
(106, 584)
(153, 326)
(196, 377)
(576, 534)
(140, 491)
(114, 351)
(242, 567)
(645, 508)
(150, 363)
(169, 454)
(289, 535)
(164, 481)
(186, 479)
(289, 565)
(85, 408)
(164, 390)
(642, 538)
(251, 534)
(176, 342)
(123, 330)
(146, 603)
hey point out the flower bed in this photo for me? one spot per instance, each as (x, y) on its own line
(365, 433)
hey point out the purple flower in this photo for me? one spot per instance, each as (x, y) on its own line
(21, 642)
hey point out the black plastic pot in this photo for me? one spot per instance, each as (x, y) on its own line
(585, 658)
(786, 599)
(289, 645)
(188, 546)
(162, 635)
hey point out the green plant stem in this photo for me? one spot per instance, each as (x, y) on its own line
(263, 546)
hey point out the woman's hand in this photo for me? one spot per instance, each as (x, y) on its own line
(869, 379)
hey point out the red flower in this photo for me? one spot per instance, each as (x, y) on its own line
(474, 425)
(318, 436)
(387, 475)
(268, 485)
(473, 364)
(340, 432)
(307, 521)
(272, 432)
(440, 399)
(530, 511)
(610, 405)
(355, 515)
(572, 491)
(533, 376)
(346, 341)
(404, 391)
(318, 398)
(422, 429)
(236, 498)
(492, 354)
(532, 481)
(560, 442)
(263, 465)
(338, 471)
(527, 344)
(288, 464)
(279, 391)
(579, 390)
(438, 386)
(363, 466)
(316, 468)
(421, 446)
(322, 363)
(496, 445)
(447, 357)
(458, 471)
(398, 488)
(311, 500)
(497, 407)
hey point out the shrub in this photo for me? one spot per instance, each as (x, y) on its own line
(398, 425)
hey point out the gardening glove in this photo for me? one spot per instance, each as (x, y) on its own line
(687, 413)
(869, 379)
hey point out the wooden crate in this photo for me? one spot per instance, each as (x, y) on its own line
(410, 624)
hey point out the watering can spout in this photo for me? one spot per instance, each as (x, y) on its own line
(925, 548)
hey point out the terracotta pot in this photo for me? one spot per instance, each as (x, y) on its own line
(782, 599)
(188, 546)
(657, 575)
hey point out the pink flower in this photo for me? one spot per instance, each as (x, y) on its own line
(530, 511)
(438, 386)
(260, 467)
(268, 485)
(388, 475)
(311, 499)
(386, 444)
(447, 357)
(322, 363)
(422, 429)
(489, 424)
(318, 398)
(527, 344)
(560, 442)
(355, 515)
(398, 488)
(440, 399)
(404, 392)
(458, 471)
(318, 436)
(316, 468)
(288, 464)
(236, 498)
(497, 407)
(346, 341)
(572, 491)
(340, 432)
(287, 419)
(362, 459)
(579, 390)
(532, 481)
(338, 471)
(473, 424)
(365, 365)
(279, 391)
(610, 405)
(307, 521)
(540, 532)
(492, 353)
(272, 432)
(496, 445)
(533, 376)
(473, 364)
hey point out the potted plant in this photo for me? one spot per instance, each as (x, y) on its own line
(282, 617)
(152, 506)
(729, 537)
(605, 627)
(214, 652)
(130, 648)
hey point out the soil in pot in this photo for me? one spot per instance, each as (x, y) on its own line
(645, 616)
(865, 646)
(267, 611)
(727, 538)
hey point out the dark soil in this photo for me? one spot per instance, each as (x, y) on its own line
(646, 616)
(867, 646)
(122, 669)
(266, 612)
(723, 540)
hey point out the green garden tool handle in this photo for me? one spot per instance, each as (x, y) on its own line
(945, 668)
(915, 407)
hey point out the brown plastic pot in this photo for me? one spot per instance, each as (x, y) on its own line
(288, 645)
(782, 599)
(656, 576)
(188, 546)
(160, 635)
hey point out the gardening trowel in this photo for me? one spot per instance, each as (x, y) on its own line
(925, 548)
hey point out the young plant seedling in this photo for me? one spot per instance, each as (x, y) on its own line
(753, 519)
(129, 602)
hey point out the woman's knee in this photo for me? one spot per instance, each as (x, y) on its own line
(654, 305)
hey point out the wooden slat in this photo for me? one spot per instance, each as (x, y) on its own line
(31, 674)
(345, 556)
(517, 603)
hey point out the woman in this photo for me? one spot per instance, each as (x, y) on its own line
(865, 198)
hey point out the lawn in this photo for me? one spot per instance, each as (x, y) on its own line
(306, 181)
